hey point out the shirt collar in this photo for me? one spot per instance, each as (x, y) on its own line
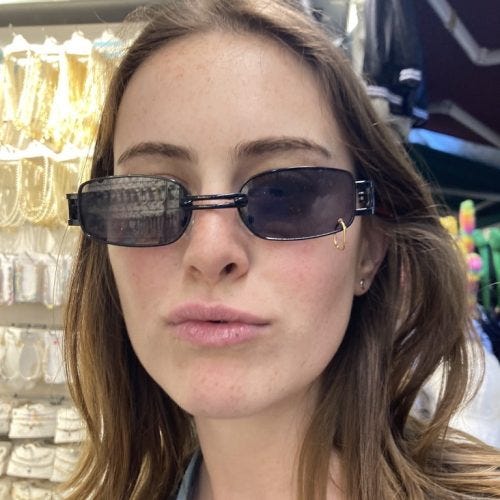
(190, 479)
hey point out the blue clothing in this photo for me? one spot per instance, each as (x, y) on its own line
(485, 340)
(186, 490)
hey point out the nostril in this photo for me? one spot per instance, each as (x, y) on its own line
(229, 268)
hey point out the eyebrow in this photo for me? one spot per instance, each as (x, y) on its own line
(158, 149)
(259, 147)
(269, 145)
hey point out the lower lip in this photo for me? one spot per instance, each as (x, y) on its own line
(208, 334)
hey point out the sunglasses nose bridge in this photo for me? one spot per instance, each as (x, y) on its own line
(214, 201)
(192, 203)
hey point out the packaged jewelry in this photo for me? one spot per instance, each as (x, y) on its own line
(21, 363)
(70, 427)
(50, 54)
(32, 460)
(10, 187)
(3, 329)
(38, 203)
(6, 279)
(5, 447)
(11, 350)
(53, 363)
(49, 281)
(27, 279)
(31, 355)
(5, 488)
(5, 416)
(33, 421)
(65, 462)
(55, 279)
(32, 490)
(52, 287)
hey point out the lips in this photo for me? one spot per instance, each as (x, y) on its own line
(212, 313)
(214, 325)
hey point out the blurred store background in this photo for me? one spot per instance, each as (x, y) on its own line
(431, 67)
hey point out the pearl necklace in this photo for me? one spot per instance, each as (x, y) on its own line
(10, 191)
(37, 181)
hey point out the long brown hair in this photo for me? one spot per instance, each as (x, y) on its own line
(413, 318)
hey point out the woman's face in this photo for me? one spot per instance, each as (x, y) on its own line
(229, 324)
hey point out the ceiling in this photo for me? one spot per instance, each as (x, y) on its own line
(451, 75)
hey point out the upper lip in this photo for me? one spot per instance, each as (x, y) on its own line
(212, 312)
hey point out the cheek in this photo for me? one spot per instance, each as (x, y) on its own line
(315, 283)
(141, 275)
(316, 273)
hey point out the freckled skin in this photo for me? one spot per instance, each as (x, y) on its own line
(209, 92)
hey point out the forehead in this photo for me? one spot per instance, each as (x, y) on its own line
(208, 55)
(226, 88)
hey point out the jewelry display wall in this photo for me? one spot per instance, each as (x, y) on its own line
(51, 94)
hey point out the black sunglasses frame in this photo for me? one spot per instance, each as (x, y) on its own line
(364, 192)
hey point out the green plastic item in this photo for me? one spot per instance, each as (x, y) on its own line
(483, 248)
(494, 241)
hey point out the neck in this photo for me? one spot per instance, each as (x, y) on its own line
(248, 458)
(252, 457)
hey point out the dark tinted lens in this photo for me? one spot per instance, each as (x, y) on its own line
(133, 210)
(299, 202)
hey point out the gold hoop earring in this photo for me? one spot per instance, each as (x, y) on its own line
(336, 244)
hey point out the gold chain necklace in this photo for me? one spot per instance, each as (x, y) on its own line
(10, 191)
(27, 99)
(44, 102)
(37, 204)
(12, 84)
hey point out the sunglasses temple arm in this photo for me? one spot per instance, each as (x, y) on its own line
(365, 196)
(73, 211)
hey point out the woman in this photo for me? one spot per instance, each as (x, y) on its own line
(250, 316)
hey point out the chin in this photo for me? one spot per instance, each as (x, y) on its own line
(230, 387)
(219, 399)
(219, 411)
(218, 404)
(238, 403)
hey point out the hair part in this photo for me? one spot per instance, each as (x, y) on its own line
(413, 318)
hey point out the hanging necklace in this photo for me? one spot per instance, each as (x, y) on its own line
(27, 99)
(37, 204)
(10, 191)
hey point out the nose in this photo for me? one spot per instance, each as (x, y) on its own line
(217, 246)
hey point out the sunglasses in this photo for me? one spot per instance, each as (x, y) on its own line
(283, 204)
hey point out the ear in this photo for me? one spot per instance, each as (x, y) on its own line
(373, 248)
